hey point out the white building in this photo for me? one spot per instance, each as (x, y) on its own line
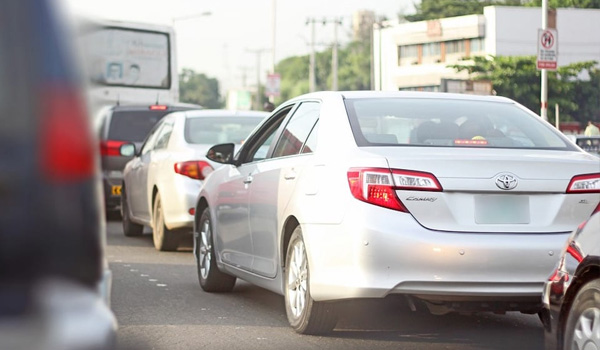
(415, 56)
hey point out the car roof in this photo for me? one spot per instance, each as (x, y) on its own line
(145, 107)
(404, 94)
(224, 113)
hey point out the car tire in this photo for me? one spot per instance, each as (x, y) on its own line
(584, 318)
(130, 228)
(305, 315)
(210, 277)
(164, 239)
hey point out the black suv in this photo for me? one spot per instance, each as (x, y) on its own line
(119, 125)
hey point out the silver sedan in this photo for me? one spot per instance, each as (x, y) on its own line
(456, 202)
(161, 182)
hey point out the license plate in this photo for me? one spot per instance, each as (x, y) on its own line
(502, 209)
(116, 190)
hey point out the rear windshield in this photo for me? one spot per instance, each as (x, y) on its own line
(215, 130)
(133, 125)
(449, 123)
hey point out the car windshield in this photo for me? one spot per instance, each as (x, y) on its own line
(214, 130)
(133, 125)
(449, 123)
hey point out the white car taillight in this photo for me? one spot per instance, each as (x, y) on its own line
(589, 183)
(416, 181)
(195, 169)
(378, 185)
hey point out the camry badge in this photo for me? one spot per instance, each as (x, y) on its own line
(506, 181)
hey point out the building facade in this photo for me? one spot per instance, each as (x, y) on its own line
(416, 55)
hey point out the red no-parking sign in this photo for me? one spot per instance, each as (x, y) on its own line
(547, 47)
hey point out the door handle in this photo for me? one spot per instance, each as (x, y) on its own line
(290, 175)
(248, 179)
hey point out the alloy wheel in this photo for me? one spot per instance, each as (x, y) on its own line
(297, 279)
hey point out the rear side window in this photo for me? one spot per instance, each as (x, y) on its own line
(449, 123)
(133, 125)
(215, 130)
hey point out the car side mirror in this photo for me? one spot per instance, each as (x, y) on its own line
(127, 150)
(221, 153)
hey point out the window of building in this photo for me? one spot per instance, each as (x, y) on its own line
(431, 50)
(477, 45)
(407, 54)
(455, 47)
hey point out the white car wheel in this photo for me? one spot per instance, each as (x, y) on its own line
(210, 277)
(582, 331)
(304, 314)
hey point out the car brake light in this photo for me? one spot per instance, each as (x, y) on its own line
(575, 252)
(195, 169)
(66, 146)
(111, 147)
(378, 185)
(158, 108)
(589, 183)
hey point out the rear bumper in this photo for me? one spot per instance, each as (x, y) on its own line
(178, 197)
(390, 253)
(112, 182)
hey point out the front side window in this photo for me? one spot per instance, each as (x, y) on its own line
(162, 139)
(259, 142)
(449, 123)
(297, 129)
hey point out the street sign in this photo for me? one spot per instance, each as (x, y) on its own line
(273, 85)
(547, 47)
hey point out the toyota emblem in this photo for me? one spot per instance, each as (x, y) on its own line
(506, 181)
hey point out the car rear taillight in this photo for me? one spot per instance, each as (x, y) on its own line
(589, 183)
(158, 108)
(378, 185)
(111, 148)
(66, 143)
(415, 181)
(195, 169)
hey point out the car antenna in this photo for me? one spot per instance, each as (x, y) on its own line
(118, 99)
(157, 95)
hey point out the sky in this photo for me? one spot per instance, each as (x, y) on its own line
(223, 45)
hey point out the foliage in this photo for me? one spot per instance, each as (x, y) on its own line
(354, 71)
(516, 77)
(434, 9)
(590, 4)
(199, 89)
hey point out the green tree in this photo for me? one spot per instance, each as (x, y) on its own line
(516, 77)
(434, 9)
(590, 4)
(199, 89)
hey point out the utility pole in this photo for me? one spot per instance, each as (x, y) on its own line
(544, 73)
(334, 56)
(334, 52)
(273, 29)
(311, 68)
(258, 52)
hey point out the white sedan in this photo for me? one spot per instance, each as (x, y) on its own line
(456, 202)
(161, 182)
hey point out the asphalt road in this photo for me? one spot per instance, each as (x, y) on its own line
(160, 305)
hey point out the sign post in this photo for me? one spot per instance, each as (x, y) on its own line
(273, 87)
(547, 57)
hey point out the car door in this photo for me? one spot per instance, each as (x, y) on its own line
(272, 183)
(234, 241)
(136, 179)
